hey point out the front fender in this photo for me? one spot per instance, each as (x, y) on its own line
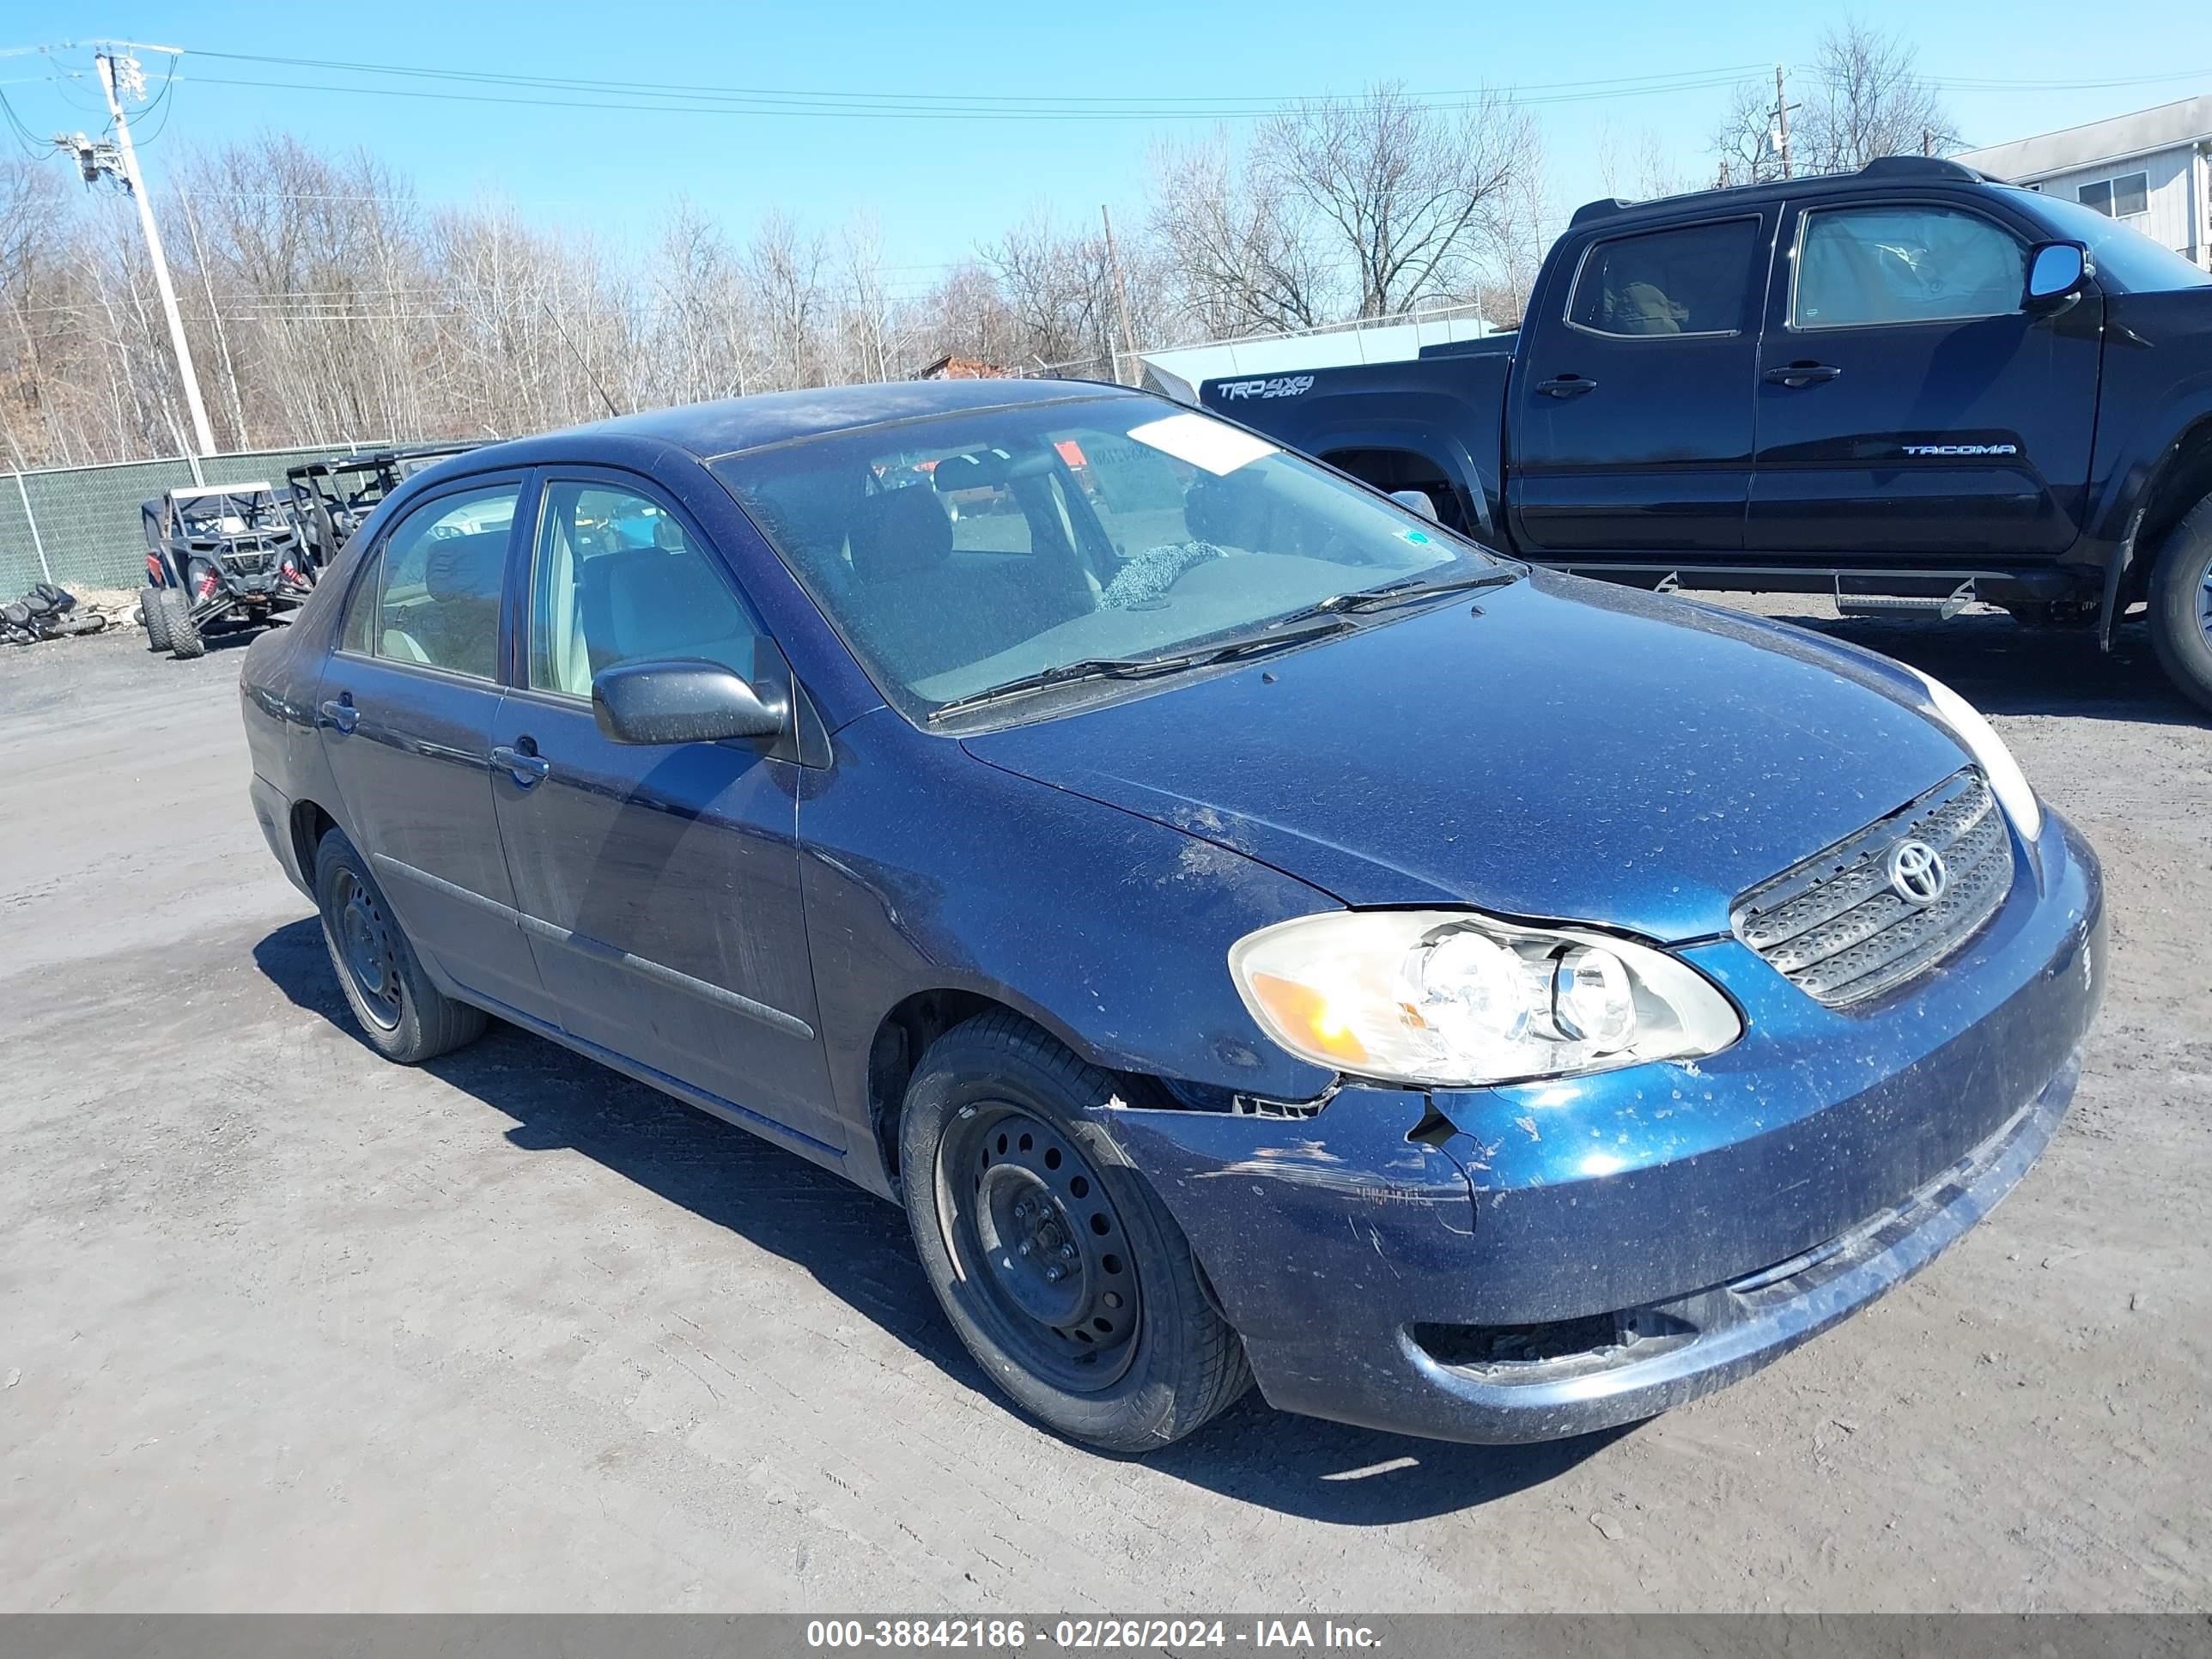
(2130, 459)
(926, 869)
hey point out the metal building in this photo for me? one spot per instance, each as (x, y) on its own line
(2152, 169)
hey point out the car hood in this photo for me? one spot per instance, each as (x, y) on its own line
(1560, 749)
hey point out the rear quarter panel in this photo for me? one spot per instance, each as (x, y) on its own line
(1451, 409)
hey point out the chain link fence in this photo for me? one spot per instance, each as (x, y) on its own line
(79, 526)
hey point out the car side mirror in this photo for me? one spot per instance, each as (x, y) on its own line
(1416, 501)
(2056, 271)
(687, 700)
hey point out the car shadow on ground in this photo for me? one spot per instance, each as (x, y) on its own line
(2003, 667)
(856, 1247)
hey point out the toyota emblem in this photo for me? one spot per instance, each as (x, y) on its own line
(1915, 873)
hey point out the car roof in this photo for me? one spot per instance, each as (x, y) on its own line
(710, 431)
(1887, 172)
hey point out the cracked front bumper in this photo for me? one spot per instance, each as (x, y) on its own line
(1549, 1260)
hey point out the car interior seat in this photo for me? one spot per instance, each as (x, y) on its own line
(645, 603)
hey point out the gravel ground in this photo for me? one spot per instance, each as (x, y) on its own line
(284, 1326)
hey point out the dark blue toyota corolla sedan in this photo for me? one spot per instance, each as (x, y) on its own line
(1253, 932)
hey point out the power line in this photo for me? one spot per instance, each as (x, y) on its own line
(922, 100)
(642, 105)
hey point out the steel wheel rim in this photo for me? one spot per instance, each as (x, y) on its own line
(362, 934)
(2204, 606)
(1018, 1204)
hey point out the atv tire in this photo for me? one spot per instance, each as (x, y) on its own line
(184, 641)
(156, 619)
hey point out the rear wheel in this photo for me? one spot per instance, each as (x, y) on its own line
(404, 1017)
(156, 619)
(2181, 604)
(184, 634)
(1066, 1279)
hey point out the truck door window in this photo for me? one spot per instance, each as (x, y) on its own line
(1692, 280)
(1860, 266)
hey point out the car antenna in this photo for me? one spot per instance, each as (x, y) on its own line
(554, 318)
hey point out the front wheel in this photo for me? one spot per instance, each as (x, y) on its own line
(183, 632)
(1066, 1279)
(2181, 604)
(403, 1015)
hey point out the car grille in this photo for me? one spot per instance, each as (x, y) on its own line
(247, 562)
(1837, 928)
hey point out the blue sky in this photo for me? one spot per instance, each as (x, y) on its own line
(939, 186)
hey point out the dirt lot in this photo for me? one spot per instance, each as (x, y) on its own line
(282, 1325)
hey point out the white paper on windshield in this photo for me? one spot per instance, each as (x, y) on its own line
(1219, 449)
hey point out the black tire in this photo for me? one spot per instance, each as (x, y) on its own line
(2181, 604)
(404, 1017)
(184, 641)
(1058, 1194)
(156, 620)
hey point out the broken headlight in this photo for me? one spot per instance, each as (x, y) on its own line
(1456, 1000)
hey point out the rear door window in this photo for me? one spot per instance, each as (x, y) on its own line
(1693, 280)
(436, 584)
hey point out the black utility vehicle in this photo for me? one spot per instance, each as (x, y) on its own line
(1910, 387)
(218, 558)
(329, 498)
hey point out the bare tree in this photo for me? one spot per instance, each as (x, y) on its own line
(1521, 227)
(1868, 99)
(1637, 166)
(1746, 144)
(1238, 252)
(1060, 285)
(1864, 98)
(785, 268)
(1401, 192)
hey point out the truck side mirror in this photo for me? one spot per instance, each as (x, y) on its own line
(1416, 501)
(2056, 271)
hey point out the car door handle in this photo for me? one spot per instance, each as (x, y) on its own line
(1802, 374)
(524, 767)
(342, 715)
(1567, 386)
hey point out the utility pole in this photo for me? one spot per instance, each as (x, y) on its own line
(107, 62)
(1782, 120)
(1120, 298)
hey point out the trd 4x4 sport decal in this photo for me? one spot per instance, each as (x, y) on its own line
(1282, 385)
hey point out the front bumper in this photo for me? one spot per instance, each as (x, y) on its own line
(1535, 1262)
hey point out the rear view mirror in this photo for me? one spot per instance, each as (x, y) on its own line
(2055, 273)
(684, 700)
(1416, 501)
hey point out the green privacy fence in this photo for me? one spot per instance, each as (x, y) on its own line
(78, 526)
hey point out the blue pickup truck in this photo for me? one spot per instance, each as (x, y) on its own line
(1909, 387)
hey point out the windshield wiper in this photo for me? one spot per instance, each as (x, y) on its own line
(1134, 668)
(1404, 593)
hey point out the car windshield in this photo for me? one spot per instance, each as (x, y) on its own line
(2126, 257)
(959, 554)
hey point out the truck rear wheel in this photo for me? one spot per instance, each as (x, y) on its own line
(2181, 604)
